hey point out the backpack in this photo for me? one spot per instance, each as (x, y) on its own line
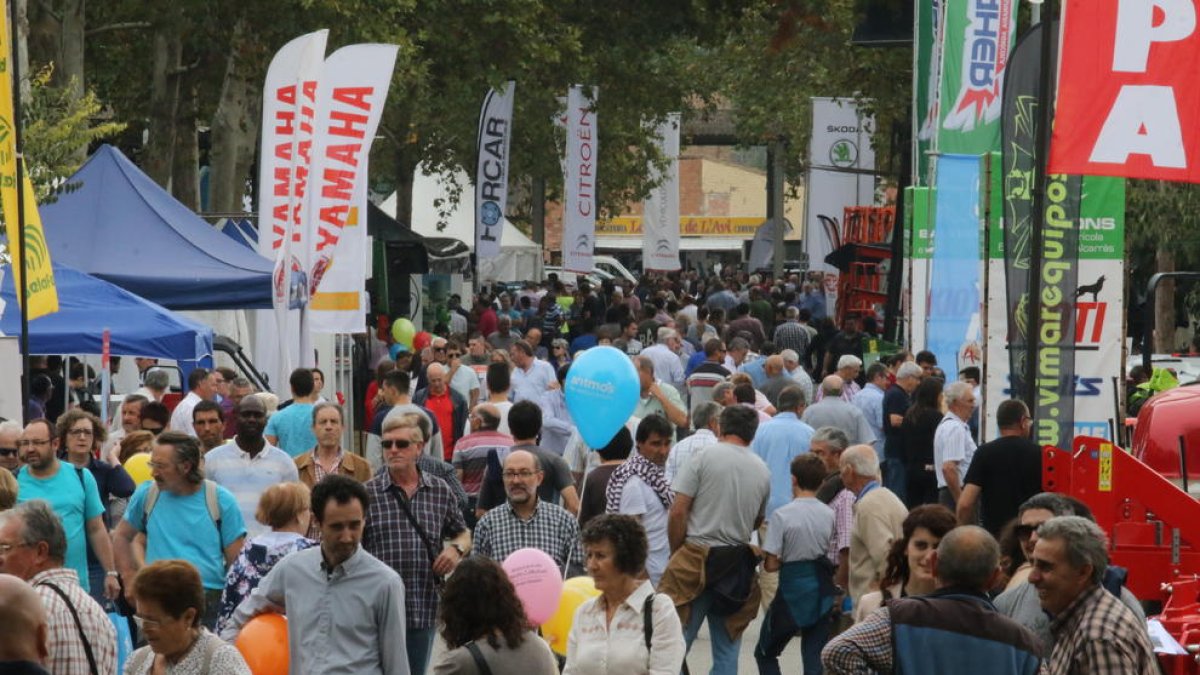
(210, 499)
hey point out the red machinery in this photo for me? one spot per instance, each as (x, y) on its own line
(1153, 529)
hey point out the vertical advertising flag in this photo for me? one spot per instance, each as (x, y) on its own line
(35, 271)
(976, 40)
(491, 171)
(841, 161)
(350, 99)
(660, 222)
(927, 55)
(579, 213)
(289, 110)
(954, 285)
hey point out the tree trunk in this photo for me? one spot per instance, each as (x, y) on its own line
(1164, 302)
(406, 171)
(69, 70)
(21, 17)
(234, 128)
(164, 105)
(185, 172)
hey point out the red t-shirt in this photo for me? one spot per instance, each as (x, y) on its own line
(443, 409)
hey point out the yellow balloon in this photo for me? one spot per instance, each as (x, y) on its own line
(556, 629)
(138, 467)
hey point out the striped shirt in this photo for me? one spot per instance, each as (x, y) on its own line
(246, 477)
(67, 655)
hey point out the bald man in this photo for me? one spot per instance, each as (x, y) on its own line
(777, 379)
(24, 640)
(832, 411)
(447, 405)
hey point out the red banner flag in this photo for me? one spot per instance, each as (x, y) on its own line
(1127, 100)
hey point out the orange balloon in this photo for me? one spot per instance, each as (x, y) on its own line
(263, 642)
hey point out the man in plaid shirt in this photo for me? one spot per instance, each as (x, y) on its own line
(33, 546)
(524, 521)
(1095, 633)
(415, 526)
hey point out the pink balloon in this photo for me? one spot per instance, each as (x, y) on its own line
(538, 581)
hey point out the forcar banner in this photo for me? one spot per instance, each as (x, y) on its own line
(579, 213)
(660, 224)
(1128, 104)
(289, 108)
(491, 171)
(350, 101)
(977, 37)
(841, 174)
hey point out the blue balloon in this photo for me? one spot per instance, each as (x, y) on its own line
(602, 391)
(396, 350)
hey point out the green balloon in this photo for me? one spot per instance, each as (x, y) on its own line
(403, 331)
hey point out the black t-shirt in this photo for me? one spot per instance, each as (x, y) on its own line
(843, 344)
(595, 489)
(1008, 471)
(895, 402)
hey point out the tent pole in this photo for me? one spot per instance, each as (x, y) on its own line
(14, 65)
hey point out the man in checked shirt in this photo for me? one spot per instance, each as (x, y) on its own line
(415, 526)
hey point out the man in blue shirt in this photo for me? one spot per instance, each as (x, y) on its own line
(290, 429)
(183, 517)
(73, 495)
(778, 442)
(870, 401)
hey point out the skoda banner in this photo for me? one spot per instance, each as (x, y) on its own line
(841, 174)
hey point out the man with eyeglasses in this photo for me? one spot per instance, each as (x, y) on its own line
(32, 547)
(74, 496)
(415, 526)
(525, 521)
(10, 456)
(1004, 472)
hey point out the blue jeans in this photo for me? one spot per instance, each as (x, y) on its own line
(778, 629)
(419, 643)
(895, 478)
(724, 648)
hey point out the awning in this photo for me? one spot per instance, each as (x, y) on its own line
(685, 244)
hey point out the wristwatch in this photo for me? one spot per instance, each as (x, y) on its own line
(112, 573)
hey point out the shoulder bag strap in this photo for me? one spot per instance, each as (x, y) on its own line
(648, 619)
(429, 547)
(477, 654)
(87, 646)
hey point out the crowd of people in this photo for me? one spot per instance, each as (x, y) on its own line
(774, 468)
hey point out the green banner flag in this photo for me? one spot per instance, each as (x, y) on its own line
(926, 57)
(977, 37)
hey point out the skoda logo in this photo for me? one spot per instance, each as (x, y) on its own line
(489, 213)
(843, 153)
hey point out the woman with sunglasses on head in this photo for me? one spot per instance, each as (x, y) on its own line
(910, 562)
(170, 603)
(559, 353)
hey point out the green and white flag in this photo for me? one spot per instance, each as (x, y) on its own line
(977, 37)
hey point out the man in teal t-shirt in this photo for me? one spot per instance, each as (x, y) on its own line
(291, 429)
(74, 497)
(180, 524)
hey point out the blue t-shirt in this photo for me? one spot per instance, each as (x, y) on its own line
(75, 504)
(293, 427)
(182, 528)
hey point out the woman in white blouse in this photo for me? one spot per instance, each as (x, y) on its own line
(609, 635)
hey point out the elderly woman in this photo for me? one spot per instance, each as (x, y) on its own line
(910, 562)
(559, 354)
(285, 508)
(492, 636)
(170, 602)
(609, 634)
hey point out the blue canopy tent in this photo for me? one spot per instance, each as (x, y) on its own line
(88, 305)
(240, 231)
(121, 227)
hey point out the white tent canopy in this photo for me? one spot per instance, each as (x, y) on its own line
(520, 258)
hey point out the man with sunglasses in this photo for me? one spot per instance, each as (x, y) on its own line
(1004, 473)
(10, 457)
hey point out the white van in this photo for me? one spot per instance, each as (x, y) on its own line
(614, 268)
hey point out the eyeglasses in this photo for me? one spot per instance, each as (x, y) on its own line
(1024, 531)
(439, 349)
(8, 452)
(454, 355)
(523, 474)
(5, 549)
(80, 432)
(142, 622)
(35, 442)
(153, 430)
(399, 444)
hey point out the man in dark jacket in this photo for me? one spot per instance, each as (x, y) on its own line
(954, 630)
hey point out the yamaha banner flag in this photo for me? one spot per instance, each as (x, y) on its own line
(491, 171)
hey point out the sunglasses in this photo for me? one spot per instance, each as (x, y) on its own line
(1024, 531)
(454, 355)
(8, 452)
(399, 444)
